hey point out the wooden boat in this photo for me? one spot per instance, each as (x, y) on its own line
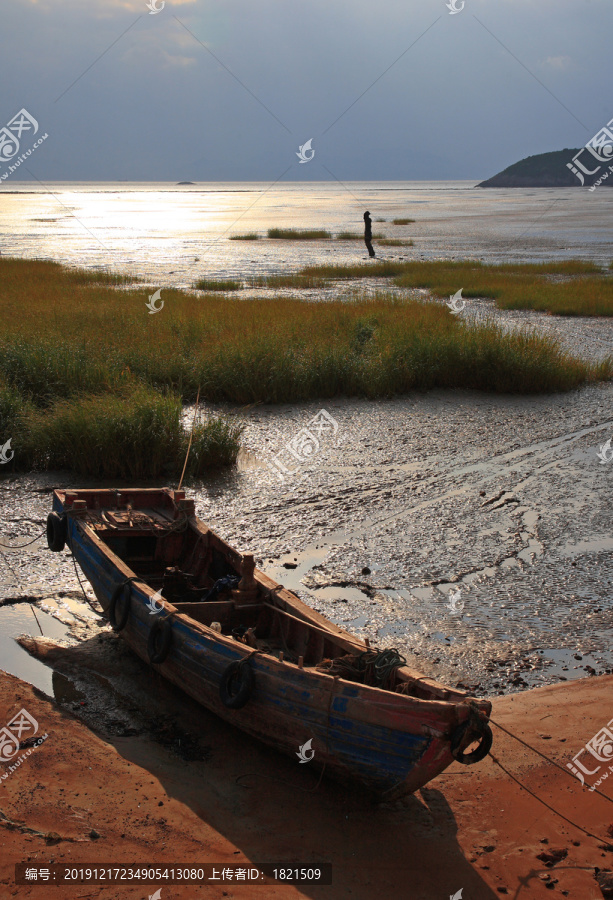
(249, 650)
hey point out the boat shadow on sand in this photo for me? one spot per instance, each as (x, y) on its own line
(251, 799)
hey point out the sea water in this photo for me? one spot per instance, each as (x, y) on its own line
(174, 234)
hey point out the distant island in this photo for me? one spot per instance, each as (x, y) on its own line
(544, 170)
(186, 182)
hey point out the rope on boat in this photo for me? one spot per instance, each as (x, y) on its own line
(372, 667)
(19, 546)
(227, 583)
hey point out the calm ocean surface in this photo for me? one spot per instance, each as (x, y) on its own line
(174, 234)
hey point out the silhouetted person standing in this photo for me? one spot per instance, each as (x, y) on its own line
(368, 234)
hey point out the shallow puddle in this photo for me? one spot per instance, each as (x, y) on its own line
(20, 619)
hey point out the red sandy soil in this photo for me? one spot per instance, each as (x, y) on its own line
(472, 828)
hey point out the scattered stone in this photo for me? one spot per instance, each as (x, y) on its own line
(605, 883)
(551, 857)
(94, 834)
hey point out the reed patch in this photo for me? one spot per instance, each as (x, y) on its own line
(89, 380)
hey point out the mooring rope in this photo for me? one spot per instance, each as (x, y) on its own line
(19, 546)
(547, 758)
(189, 446)
(551, 808)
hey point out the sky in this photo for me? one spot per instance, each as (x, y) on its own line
(228, 90)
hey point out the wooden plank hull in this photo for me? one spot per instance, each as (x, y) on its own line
(389, 742)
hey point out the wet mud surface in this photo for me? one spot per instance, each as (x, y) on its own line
(472, 532)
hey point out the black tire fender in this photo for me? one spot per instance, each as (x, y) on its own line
(236, 685)
(119, 607)
(483, 734)
(57, 532)
(159, 641)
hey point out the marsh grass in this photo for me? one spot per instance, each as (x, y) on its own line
(402, 221)
(297, 234)
(67, 341)
(131, 435)
(395, 242)
(250, 236)
(288, 280)
(208, 284)
(352, 236)
(580, 288)
(91, 382)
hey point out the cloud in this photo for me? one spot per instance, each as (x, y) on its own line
(560, 63)
(102, 8)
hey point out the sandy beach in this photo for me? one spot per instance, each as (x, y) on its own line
(91, 795)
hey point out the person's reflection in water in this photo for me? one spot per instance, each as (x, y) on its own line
(368, 234)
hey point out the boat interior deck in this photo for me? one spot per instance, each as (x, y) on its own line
(206, 579)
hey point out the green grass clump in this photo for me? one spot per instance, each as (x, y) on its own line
(352, 236)
(402, 221)
(395, 242)
(132, 435)
(250, 236)
(525, 286)
(14, 408)
(208, 284)
(288, 280)
(297, 234)
(215, 443)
